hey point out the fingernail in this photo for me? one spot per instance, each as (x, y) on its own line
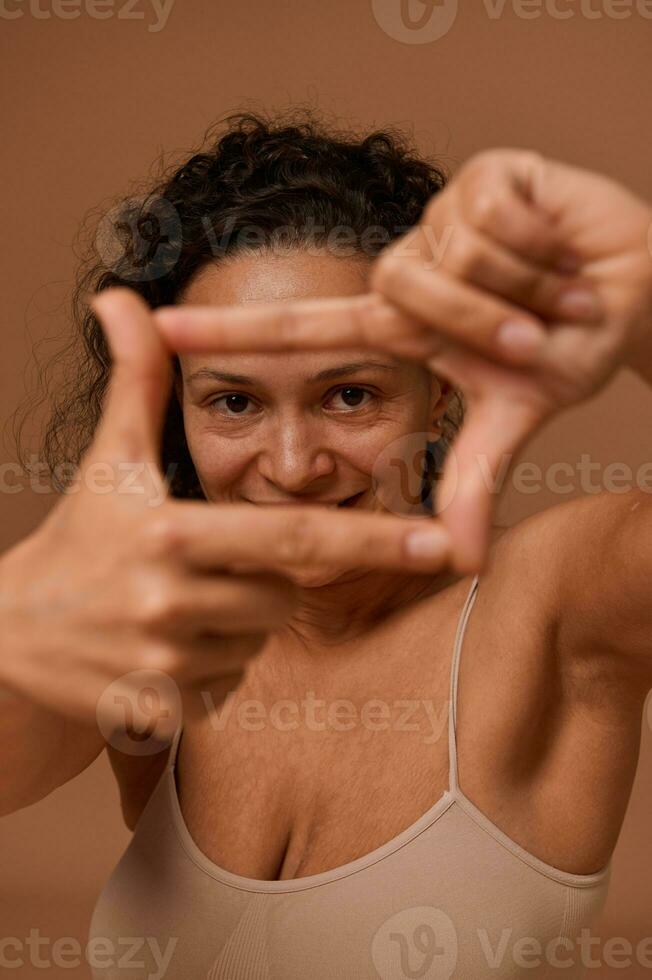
(522, 336)
(429, 542)
(579, 304)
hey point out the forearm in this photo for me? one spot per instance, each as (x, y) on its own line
(39, 751)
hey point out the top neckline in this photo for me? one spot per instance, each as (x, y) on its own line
(450, 796)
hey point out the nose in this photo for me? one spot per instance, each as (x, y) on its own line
(295, 457)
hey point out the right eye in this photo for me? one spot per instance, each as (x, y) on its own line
(234, 405)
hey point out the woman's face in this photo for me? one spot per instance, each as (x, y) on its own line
(315, 427)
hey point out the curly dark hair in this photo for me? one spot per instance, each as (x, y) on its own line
(255, 178)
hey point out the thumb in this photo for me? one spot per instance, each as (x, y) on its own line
(141, 375)
(474, 471)
(593, 215)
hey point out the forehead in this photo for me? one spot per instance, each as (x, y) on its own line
(269, 277)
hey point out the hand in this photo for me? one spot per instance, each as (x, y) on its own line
(120, 577)
(559, 256)
(513, 238)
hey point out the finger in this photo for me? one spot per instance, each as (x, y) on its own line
(460, 312)
(224, 603)
(283, 538)
(498, 194)
(140, 382)
(485, 264)
(494, 428)
(365, 320)
(503, 408)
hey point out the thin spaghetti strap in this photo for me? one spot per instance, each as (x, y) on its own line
(174, 748)
(452, 701)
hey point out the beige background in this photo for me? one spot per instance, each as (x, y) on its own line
(87, 107)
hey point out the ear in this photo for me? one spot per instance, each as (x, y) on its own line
(441, 392)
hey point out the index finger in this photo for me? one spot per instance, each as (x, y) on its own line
(280, 537)
(364, 320)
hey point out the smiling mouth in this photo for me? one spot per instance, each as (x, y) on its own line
(350, 501)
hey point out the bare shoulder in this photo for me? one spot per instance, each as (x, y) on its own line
(581, 569)
(549, 723)
(557, 547)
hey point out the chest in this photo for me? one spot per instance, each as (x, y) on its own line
(288, 779)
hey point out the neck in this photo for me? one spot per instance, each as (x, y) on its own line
(339, 612)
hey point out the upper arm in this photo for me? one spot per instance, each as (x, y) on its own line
(136, 775)
(604, 564)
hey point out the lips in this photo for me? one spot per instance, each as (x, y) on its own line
(345, 502)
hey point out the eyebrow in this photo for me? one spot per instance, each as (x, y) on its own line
(338, 371)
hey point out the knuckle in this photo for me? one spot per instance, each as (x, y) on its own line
(157, 605)
(296, 543)
(160, 537)
(486, 206)
(161, 656)
(464, 256)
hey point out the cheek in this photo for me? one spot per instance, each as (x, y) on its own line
(218, 462)
(400, 464)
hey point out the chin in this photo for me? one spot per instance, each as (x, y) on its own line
(316, 577)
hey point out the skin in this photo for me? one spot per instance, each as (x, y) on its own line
(298, 441)
(558, 637)
(281, 804)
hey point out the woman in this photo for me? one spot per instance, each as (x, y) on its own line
(320, 810)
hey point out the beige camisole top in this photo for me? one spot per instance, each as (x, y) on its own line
(450, 896)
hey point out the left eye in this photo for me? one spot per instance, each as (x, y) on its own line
(353, 396)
